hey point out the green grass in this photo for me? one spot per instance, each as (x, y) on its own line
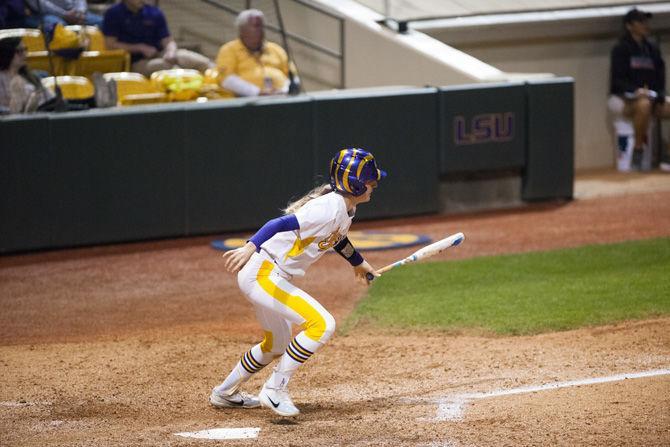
(525, 293)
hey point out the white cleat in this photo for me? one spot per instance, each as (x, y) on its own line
(235, 400)
(278, 401)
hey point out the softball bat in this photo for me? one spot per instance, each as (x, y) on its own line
(423, 253)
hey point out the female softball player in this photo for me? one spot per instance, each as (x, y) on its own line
(283, 248)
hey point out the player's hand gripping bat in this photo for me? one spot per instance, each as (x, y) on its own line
(423, 253)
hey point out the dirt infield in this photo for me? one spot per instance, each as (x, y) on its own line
(121, 345)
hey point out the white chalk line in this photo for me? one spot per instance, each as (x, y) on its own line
(223, 433)
(451, 408)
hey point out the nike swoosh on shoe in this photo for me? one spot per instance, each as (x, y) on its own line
(234, 402)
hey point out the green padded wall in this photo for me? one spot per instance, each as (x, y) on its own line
(482, 127)
(246, 161)
(171, 170)
(549, 172)
(400, 129)
(26, 177)
(118, 176)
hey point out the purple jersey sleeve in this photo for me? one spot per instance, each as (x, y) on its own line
(274, 226)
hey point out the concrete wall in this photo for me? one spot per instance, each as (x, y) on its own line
(374, 55)
(377, 55)
(381, 57)
(197, 22)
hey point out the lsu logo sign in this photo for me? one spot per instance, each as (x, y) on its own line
(484, 128)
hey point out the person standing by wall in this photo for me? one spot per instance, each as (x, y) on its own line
(637, 80)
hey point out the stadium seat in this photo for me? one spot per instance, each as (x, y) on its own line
(102, 61)
(143, 98)
(134, 88)
(88, 62)
(211, 76)
(211, 87)
(32, 38)
(180, 84)
(130, 83)
(73, 87)
(96, 40)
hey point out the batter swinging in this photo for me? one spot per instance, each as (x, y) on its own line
(283, 248)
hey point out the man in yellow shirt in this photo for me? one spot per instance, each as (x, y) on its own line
(251, 65)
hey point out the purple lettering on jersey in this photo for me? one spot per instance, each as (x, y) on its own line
(641, 63)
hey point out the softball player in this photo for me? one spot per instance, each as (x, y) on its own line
(283, 248)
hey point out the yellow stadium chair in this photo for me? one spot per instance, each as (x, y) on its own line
(211, 85)
(180, 84)
(32, 38)
(107, 61)
(182, 73)
(96, 40)
(143, 98)
(73, 87)
(134, 88)
(88, 63)
(211, 76)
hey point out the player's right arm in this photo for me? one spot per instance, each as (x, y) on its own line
(361, 267)
(234, 260)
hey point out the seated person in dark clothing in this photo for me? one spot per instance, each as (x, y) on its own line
(65, 12)
(142, 31)
(637, 79)
(13, 14)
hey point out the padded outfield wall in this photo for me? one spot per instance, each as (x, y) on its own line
(148, 172)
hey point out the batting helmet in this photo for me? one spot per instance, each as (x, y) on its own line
(351, 168)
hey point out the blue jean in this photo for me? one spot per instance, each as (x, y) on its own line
(50, 21)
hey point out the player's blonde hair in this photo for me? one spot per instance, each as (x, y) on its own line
(294, 206)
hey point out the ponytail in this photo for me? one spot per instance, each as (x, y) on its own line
(294, 206)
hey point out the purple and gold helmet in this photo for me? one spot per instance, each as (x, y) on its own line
(351, 168)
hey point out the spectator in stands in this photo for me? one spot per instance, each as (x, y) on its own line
(20, 90)
(65, 12)
(13, 14)
(637, 80)
(251, 65)
(142, 30)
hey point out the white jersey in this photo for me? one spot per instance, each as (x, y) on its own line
(323, 221)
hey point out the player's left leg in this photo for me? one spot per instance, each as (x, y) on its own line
(297, 306)
(277, 334)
